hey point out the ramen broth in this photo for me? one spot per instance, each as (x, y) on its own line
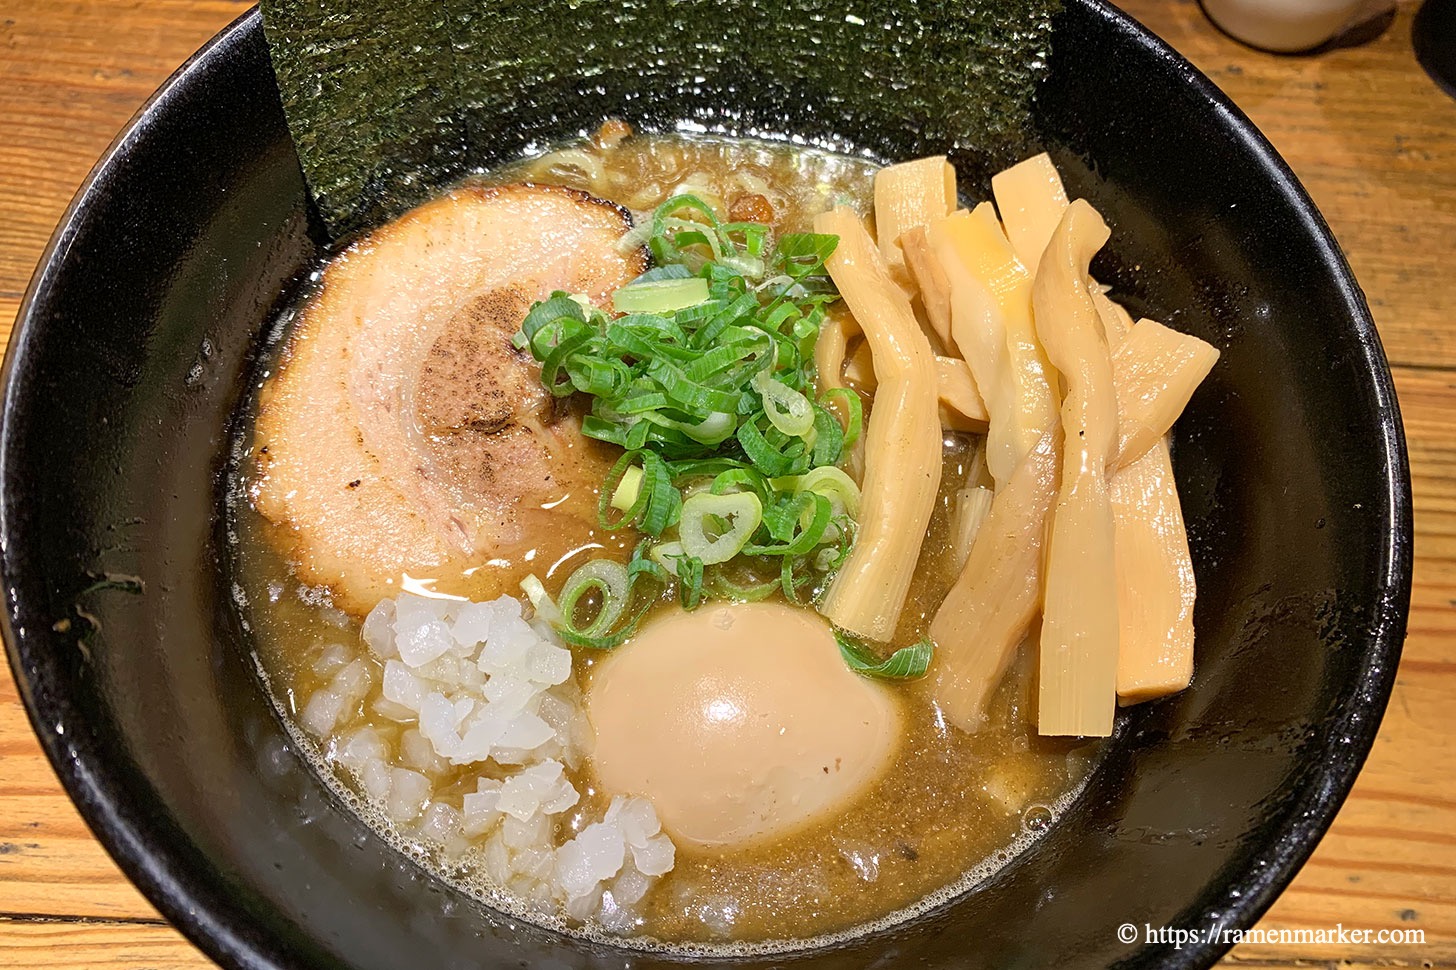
(952, 807)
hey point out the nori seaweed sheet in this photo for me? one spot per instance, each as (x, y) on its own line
(369, 89)
(390, 99)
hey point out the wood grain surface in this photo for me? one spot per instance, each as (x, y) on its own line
(1372, 139)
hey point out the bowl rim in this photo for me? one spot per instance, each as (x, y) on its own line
(185, 900)
(198, 909)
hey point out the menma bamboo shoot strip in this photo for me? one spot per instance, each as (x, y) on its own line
(1156, 370)
(1079, 631)
(931, 281)
(908, 196)
(1156, 588)
(1155, 581)
(902, 441)
(1030, 198)
(980, 336)
(991, 320)
(961, 407)
(985, 616)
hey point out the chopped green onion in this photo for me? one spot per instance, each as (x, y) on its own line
(715, 428)
(606, 577)
(827, 439)
(907, 663)
(854, 408)
(634, 238)
(660, 296)
(800, 523)
(832, 483)
(624, 496)
(754, 236)
(720, 585)
(666, 554)
(613, 486)
(747, 265)
(736, 479)
(656, 504)
(584, 301)
(786, 408)
(775, 462)
(704, 376)
(789, 581)
(672, 271)
(803, 253)
(642, 565)
(541, 601)
(715, 528)
(622, 606)
(690, 581)
(560, 306)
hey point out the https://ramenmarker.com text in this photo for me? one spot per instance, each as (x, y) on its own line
(1338, 935)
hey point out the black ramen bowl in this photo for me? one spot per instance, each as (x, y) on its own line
(134, 347)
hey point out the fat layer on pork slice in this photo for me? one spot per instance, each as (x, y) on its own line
(403, 439)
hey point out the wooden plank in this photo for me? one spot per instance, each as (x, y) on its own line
(1372, 139)
(28, 945)
(1279, 958)
(50, 863)
(72, 73)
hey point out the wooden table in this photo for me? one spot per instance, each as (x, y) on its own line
(1372, 138)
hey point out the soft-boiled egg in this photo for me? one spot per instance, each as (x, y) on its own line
(740, 722)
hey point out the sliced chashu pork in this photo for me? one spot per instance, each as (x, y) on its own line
(403, 439)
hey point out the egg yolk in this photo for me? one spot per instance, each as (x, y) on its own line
(739, 722)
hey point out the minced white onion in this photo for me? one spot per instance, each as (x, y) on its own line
(477, 685)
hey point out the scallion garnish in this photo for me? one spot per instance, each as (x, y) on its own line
(907, 663)
(715, 528)
(619, 599)
(660, 296)
(705, 377)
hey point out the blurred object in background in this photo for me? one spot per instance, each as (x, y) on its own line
(1292, 26)
(1434, 37)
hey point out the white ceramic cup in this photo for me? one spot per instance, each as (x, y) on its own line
(1289, 25)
